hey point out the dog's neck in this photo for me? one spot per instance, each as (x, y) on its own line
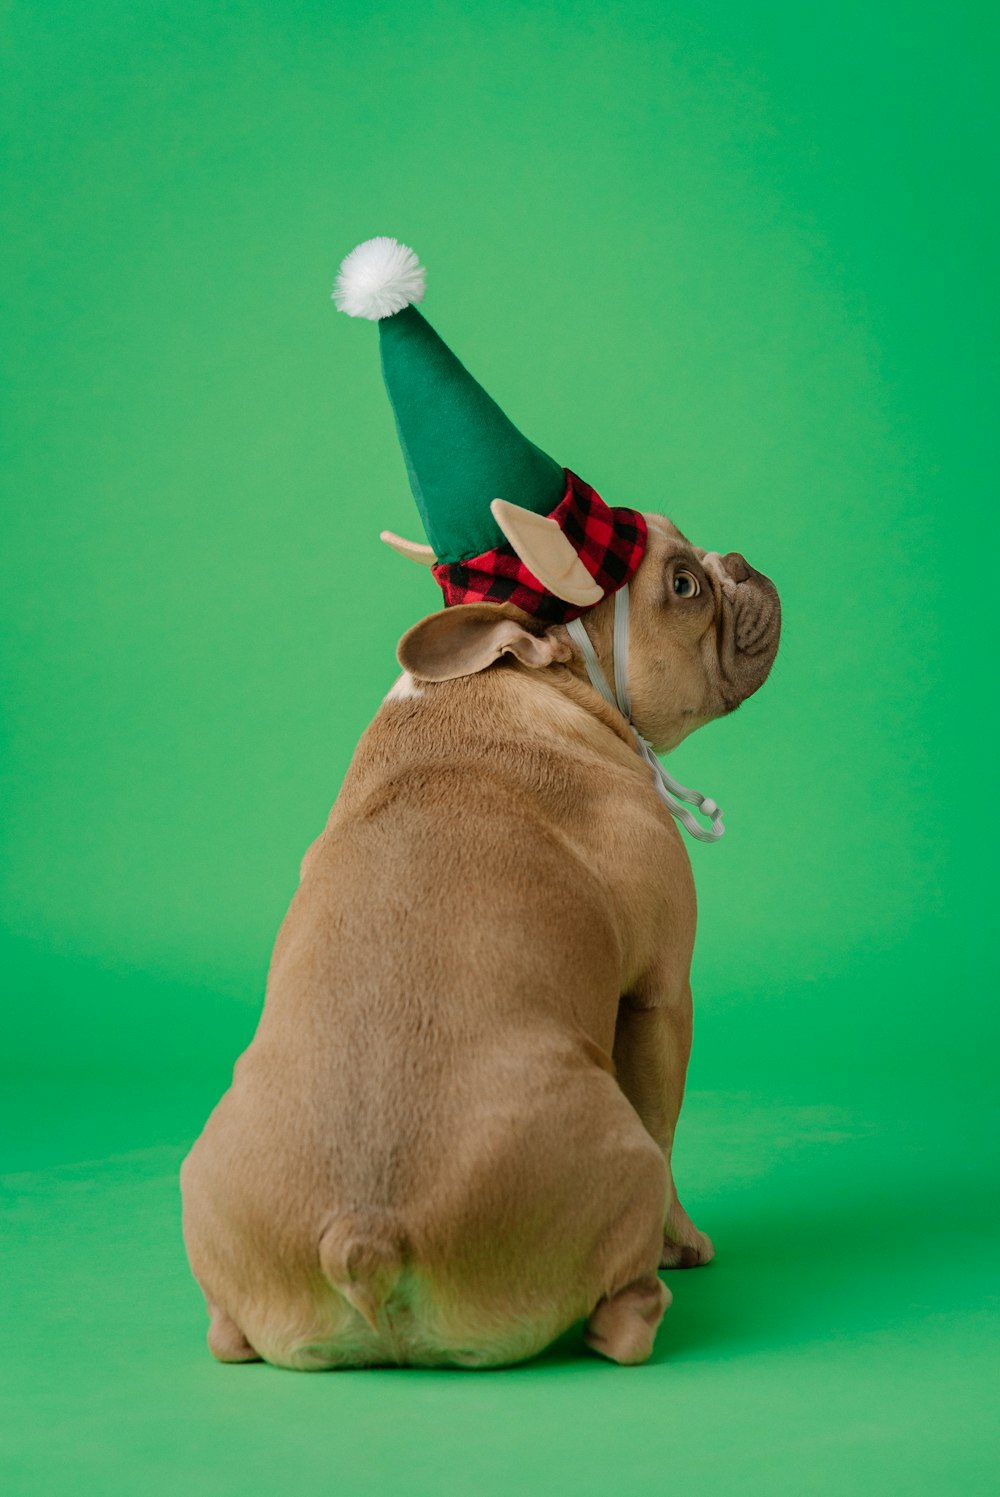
(675, 796)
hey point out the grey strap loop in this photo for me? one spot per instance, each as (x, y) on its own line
(597, 677)
(670, 791)
(619, 651)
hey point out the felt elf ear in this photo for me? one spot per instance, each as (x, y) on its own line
(413, 551)
(547, 553)
(468, 637)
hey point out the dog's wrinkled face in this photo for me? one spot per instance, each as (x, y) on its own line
(704, 634)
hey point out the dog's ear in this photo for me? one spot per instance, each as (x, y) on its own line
(465, 639)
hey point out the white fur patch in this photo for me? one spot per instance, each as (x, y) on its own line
(667, 535)
(404, 690)
(662, 526)
(712, 562)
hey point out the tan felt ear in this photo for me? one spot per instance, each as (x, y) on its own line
(463, 640)
(547, 553)
(412, 550)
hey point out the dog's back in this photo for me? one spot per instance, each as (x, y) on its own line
(424, 1156)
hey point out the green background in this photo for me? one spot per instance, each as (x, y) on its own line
(727, 260)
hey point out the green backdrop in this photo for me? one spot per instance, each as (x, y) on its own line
(727, 260)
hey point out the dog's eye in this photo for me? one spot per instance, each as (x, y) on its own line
(686, 586)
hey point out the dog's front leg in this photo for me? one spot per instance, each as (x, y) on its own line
(652, 1045)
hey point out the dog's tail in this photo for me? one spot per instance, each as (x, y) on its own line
(361, 1254)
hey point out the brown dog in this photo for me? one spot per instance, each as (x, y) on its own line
(450, 1138)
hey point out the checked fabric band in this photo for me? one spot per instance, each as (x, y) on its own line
(610, 543)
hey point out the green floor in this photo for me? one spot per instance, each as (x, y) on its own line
(841, 1343)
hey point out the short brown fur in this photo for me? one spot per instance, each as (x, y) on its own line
(450, 1137)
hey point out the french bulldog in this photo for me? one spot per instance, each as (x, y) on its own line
(450, 1138)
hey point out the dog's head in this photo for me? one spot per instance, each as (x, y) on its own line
(703, 636)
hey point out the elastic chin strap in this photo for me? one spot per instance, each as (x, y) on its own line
(667, 788)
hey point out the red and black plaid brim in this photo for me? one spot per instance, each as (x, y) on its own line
(610, 543)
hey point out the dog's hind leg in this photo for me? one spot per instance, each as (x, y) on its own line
(226, 1341)
(623, 1327)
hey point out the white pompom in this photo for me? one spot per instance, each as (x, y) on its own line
(379, 278)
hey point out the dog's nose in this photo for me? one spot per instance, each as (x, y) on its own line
(736, 566)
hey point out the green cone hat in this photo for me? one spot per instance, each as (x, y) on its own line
(461, 451)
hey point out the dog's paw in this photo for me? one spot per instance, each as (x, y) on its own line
(694, 1253)
(683, 1245)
